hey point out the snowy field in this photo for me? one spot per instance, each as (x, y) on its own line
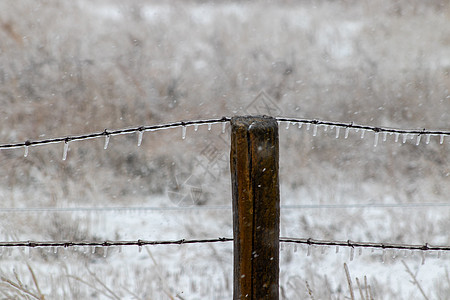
(83, 66)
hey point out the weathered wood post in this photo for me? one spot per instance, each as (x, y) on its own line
(256, 207)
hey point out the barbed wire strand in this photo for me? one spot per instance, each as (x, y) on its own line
(352, 244)
(214, 207)
(309, 241)
(376, 129)
(107, 133)
(140, 243)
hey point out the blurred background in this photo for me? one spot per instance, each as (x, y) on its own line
(73, 67)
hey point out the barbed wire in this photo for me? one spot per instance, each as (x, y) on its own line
(214, 207)
(140, 243)
(140, 129)
(376, 129)
(108, 133)
(352, 244)
(308, 241)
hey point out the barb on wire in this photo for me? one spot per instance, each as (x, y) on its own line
(67, 244)
(352, 244)
(375, 129)
(107, 133)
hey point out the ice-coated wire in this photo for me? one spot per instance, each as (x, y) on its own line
(309, 241)
(375, 129)
(373, 245)
(140, 243)
(106, 133)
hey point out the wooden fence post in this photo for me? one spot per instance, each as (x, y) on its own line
(256, 207)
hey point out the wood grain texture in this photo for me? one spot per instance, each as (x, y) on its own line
(256, 207)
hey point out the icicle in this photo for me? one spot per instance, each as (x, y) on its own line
(300, 125)
(384, 136)
(224, 127)
(66, 148)
(106, 142)
(93, 249)
(383, 256)
(419, 136)
(325, 127)
(363, 132)
(315, 130)
(105, 252)
(375, 142)
(209, 126)
(25, 154)
(30, 253)
(309, 251)
(183, 132)
(140, 136)
(55, 250)
(405, 136)
(195, 127)
(337, 131)
(405, 253)
(397, 135)
(288, 124)
(337, 249)
(347, 130)
(427, 140)
(308, 126)
(288, 249)
(295, 248)
(352, 253)
(140, 249)
(423, 257)
(441, 139)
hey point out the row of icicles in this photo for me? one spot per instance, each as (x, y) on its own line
(140, 137)
(405, 136)
(291, 247)
(384, 252)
